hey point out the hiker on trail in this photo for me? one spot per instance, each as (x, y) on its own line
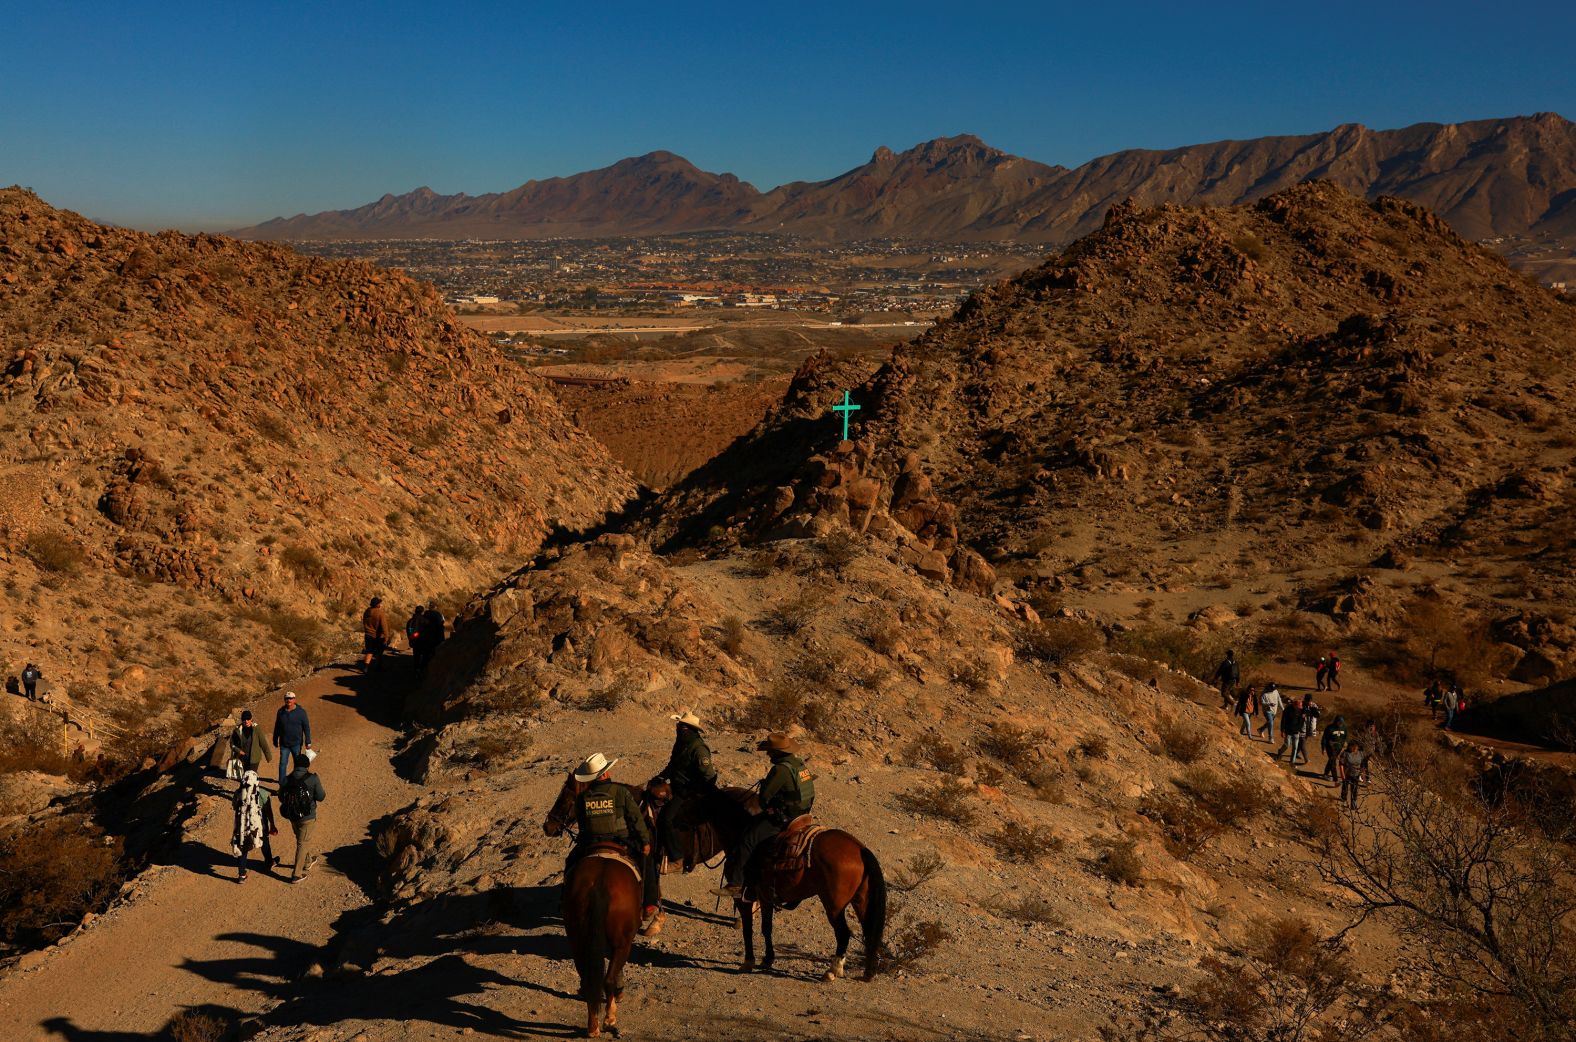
(1332, 681)
(1227, 676)
(1291, 731)
(413, 627)
(787, 792)
(1247, 706)
(607, 812)
(1433, 698)
(292, 734)
(1310, 725)
(431, 635)
(1353, 766)
(1452, 702)
(248, 747)
(31, 675)
(374, 634)
(1270, 703)
(298, 799)
(1333, 743)
(254, 824)
(1321, 669)
(690, 773)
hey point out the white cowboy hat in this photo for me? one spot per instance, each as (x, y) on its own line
(592, 769)
(688, 718)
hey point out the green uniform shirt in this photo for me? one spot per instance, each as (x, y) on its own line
(690, 765)
(608, 811)
(788, 790)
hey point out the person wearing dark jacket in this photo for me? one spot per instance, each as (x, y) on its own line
(30, 678)
(1247, 705)
(690, 773)
(1333, 743)
(248, 745)
(292, 734)
(787, 792)
(301, 809)
(374, 634)
(431, 636)
(1291, 731)
(1228, 674)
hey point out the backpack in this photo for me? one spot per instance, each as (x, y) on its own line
(295, 800)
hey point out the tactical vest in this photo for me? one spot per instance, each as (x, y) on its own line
(602, 813)
(797, 796)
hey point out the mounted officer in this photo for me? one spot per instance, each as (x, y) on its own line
(607, 812)
(786, 792)
(690, 774)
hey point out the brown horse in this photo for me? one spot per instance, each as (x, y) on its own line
(841, 871)
(601, 909)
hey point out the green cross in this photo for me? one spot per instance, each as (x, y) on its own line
(846, 408)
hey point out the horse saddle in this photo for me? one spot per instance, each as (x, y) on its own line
(790, 852)
(614, 852)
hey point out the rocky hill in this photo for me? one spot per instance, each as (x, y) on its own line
(1313, 399)
(1495, 177)
(217, 451)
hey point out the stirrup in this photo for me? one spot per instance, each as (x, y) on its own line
(733, 890)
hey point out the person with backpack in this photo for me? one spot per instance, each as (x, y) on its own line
(1291, 731)
(254, 824)
(1332, 680)
(1247, 706)
(31, 675)
(1270, 704)
(1227, 675)
(298, 800)
(1333, 743)
(292, 734)
(1310, 725)
(1321, 669)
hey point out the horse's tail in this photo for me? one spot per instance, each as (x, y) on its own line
(589, 951)
(875, 911)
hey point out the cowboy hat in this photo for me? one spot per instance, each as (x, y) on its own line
(777, 742)
(594, 767)
(688, 719)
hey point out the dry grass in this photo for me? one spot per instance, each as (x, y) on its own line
(915, 872)
(1026, 908)
(1182, 741)
(1060, 641)
(733, 634)
(947, 800)
(55, 552)
(1025, 844)
(912, 943)
(1017, 747)
(935, 751)
(1120, 863)
(795, 615)
(51, 873)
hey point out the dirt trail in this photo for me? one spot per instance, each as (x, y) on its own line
(197, 938)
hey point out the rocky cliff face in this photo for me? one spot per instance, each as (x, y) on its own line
(216, 451)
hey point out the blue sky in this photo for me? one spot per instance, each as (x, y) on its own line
(212, 115)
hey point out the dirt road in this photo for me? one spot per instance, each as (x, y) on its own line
(197, 938)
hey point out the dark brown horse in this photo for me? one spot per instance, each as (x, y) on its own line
(601, 909)
(841, 872)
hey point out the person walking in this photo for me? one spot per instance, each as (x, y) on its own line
(1291, 732)
(248, 747)
(1332, 679)
(413, 628)
(1227, 676)
(292, 734)
(1310, 725)
(1321, 669)
(1452, 705)
(432, 627)
(31, 675)
(1353, 767)
(254, 824)
(374, 635)
(1433, 697)
(1333, 743)
(1247, 706)
(1270, 704)
(298, 799)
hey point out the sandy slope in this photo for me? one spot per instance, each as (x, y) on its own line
(194, 934)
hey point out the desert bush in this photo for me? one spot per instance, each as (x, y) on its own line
(613, 695)
(305, 563)
(764, 562)
(1196, 654)
(196, 1026)
(839, 549)
(1060, 641)
(932, 750)
(1028, 908)
(912, 943)
(947, 800)
(1441, 639)
(1093, 746)
(451, 544)
(915, 872)
(973, 672)
(1025, 844)
(1049, 784)
(1227, 800)
(306, 635)
(786, 701)
(794, 615)
(51, 873)
(882, 630)
(1120, 863)
(1249, 246)
(1182, 741)
(733, 635)
(1017, 747)
(1185, 825)
(55, 552)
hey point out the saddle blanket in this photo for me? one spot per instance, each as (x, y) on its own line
(614, 855)
(793, 843)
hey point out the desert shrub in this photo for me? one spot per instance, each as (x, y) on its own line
(1182, 741)
(764, 562)
(305, 634)
(1049, 784)
(786, 701)
(794, 615)
(1191, 652)
(199, 624)
(1093, 746)
(1060, 641)
(1120, 863)
(1027, 908)
(882, 630)
(912, 943)
(55, 552)
(1025, 844)
(305, 563)
(915, 872)
(1227, 800)
(973, 672)
(51, 873)
(932, 750)
(1441, 639)
(733, 634)
(1249, 246)
(839, 549)
(451, 544)
(196, 1026)
(817, 668)
(1017, 747)
(613, 695)
(947, 800)
(1185, 825)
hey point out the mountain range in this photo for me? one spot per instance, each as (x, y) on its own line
(1488, 178)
